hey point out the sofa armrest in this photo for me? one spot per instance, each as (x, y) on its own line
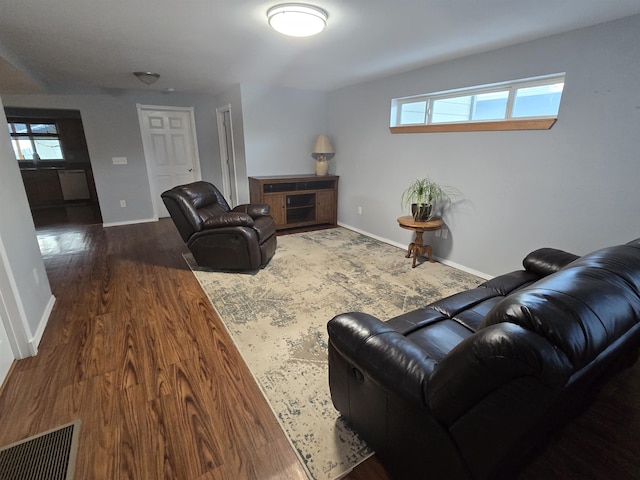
(228, 219)
(546, 261)
(382, 354)
(254, 210)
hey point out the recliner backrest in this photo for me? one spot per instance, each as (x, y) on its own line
(184, 201)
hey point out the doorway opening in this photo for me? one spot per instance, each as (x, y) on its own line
(227, 155)
(51, 150)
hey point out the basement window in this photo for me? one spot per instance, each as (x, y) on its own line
(527, 104)
(34, 141)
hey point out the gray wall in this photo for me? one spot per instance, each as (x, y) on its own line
(573, 187)
(281, 125)
(28, 303)
(110, 121)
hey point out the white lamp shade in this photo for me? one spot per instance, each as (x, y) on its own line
(297, 20)
(323, 145)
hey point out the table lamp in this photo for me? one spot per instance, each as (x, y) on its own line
(322, 152)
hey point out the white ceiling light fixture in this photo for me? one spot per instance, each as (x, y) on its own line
(147, 78)
(297, 19)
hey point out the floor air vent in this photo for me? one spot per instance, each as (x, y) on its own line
(50, 455)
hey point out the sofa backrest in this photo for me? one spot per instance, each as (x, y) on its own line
(584, 307)
(549, 330)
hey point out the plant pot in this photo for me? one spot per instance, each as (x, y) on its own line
(421, 214)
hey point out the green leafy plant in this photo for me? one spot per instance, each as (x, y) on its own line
(424, 193)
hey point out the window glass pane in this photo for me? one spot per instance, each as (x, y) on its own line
(18, 127)
(22, 148)
(48, 148)
(538, 101)
(43, 128)
(414, 112)
(490, 106)
(446, 110)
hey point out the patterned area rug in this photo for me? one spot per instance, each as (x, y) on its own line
(278, 316)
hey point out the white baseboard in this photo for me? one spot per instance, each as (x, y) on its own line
(35, 341)
(129, 222)
(444, 261)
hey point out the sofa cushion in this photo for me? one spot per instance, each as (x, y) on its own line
(437, 340)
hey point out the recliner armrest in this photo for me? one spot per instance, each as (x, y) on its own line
(382, 354)
(254, 210)
(228, 219)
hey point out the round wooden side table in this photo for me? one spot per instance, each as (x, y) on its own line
(417, 247)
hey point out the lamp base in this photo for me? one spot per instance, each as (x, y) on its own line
(322, 167)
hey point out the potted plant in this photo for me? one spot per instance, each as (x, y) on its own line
(423, 194)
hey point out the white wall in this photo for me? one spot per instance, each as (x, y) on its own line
(28, 301)
(281, 126)
(573, 187)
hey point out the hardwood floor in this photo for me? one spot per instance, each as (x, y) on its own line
(78, 213)
(134, 349)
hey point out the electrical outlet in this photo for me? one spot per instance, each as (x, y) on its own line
(359, 210)
(119, 160)
(445, 233)
(438, 233)
(123, 203)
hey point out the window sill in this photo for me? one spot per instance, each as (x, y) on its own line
(536, 124)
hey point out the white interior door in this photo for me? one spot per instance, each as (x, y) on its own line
(170, 149)
(6, 354)
(227, 156)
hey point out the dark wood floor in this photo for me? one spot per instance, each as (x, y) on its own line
(72, 213)
(136, 351)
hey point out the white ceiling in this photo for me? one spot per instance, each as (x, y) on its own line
(210, 45)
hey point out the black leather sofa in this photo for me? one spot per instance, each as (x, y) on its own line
(467, 386)
(238, 239)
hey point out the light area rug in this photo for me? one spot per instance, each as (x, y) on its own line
(277, 318)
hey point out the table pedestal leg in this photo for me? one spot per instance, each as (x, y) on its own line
(417, 249)
(410, 250)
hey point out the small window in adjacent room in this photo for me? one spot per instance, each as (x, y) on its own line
(33, 141)
(531, 103)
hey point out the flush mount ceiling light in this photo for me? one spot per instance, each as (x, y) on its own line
(297, 19)
(147, 78)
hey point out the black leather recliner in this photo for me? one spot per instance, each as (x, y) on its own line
(466, 387)
(241, 239)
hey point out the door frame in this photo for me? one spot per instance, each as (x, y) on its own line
(155, 196)
(13, 316)
(224, 149)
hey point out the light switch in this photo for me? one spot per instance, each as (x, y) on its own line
(119, 160)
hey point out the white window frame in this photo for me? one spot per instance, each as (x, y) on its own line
(511, 86)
